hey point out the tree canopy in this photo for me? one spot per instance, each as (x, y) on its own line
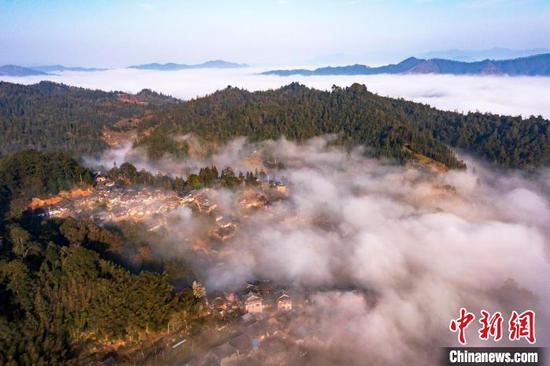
(358, 117)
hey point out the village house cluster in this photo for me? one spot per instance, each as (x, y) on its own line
(226, 224)
(272, 339)
(111, 202)
(257, 299)
(257, 320)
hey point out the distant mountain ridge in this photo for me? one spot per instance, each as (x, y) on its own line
(495, 53)
(60, 68)
(538, 65)
(215, 64)
(14, 70)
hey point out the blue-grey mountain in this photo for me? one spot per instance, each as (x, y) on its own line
(216, 64)
(14, 70)
(538, 65)
(495, 53)
(61, 68)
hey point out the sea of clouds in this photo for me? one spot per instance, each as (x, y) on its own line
(396, 251)
(498, 94)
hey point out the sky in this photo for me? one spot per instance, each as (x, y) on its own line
(115, 33)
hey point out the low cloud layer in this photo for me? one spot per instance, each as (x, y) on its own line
(396, 252)
(234, 155)
(498, 94)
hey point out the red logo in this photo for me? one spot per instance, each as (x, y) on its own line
(520, 326)
(491, 326)
(461, 324)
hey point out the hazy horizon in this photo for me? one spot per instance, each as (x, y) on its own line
(463, 55)
(116, 34)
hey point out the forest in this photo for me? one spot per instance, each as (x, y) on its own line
(68, 285)
(384, 126)
(209, 176)
(47, 116)
(29, 174)
(66, 289)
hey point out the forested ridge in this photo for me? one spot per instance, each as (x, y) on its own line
(48, 115)
(69, 286)
(298, 113)
(383, 125)
(505, 141)
(27, 174)
(65, 290)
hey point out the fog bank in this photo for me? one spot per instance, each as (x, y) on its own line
(420, 246)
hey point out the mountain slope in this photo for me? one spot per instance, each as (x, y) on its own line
(48, 116)
(538, 65)
(383, 125)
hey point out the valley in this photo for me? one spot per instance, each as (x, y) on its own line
(197, 245)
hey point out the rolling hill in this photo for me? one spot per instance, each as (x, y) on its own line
(387, 127)
(49, 116)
